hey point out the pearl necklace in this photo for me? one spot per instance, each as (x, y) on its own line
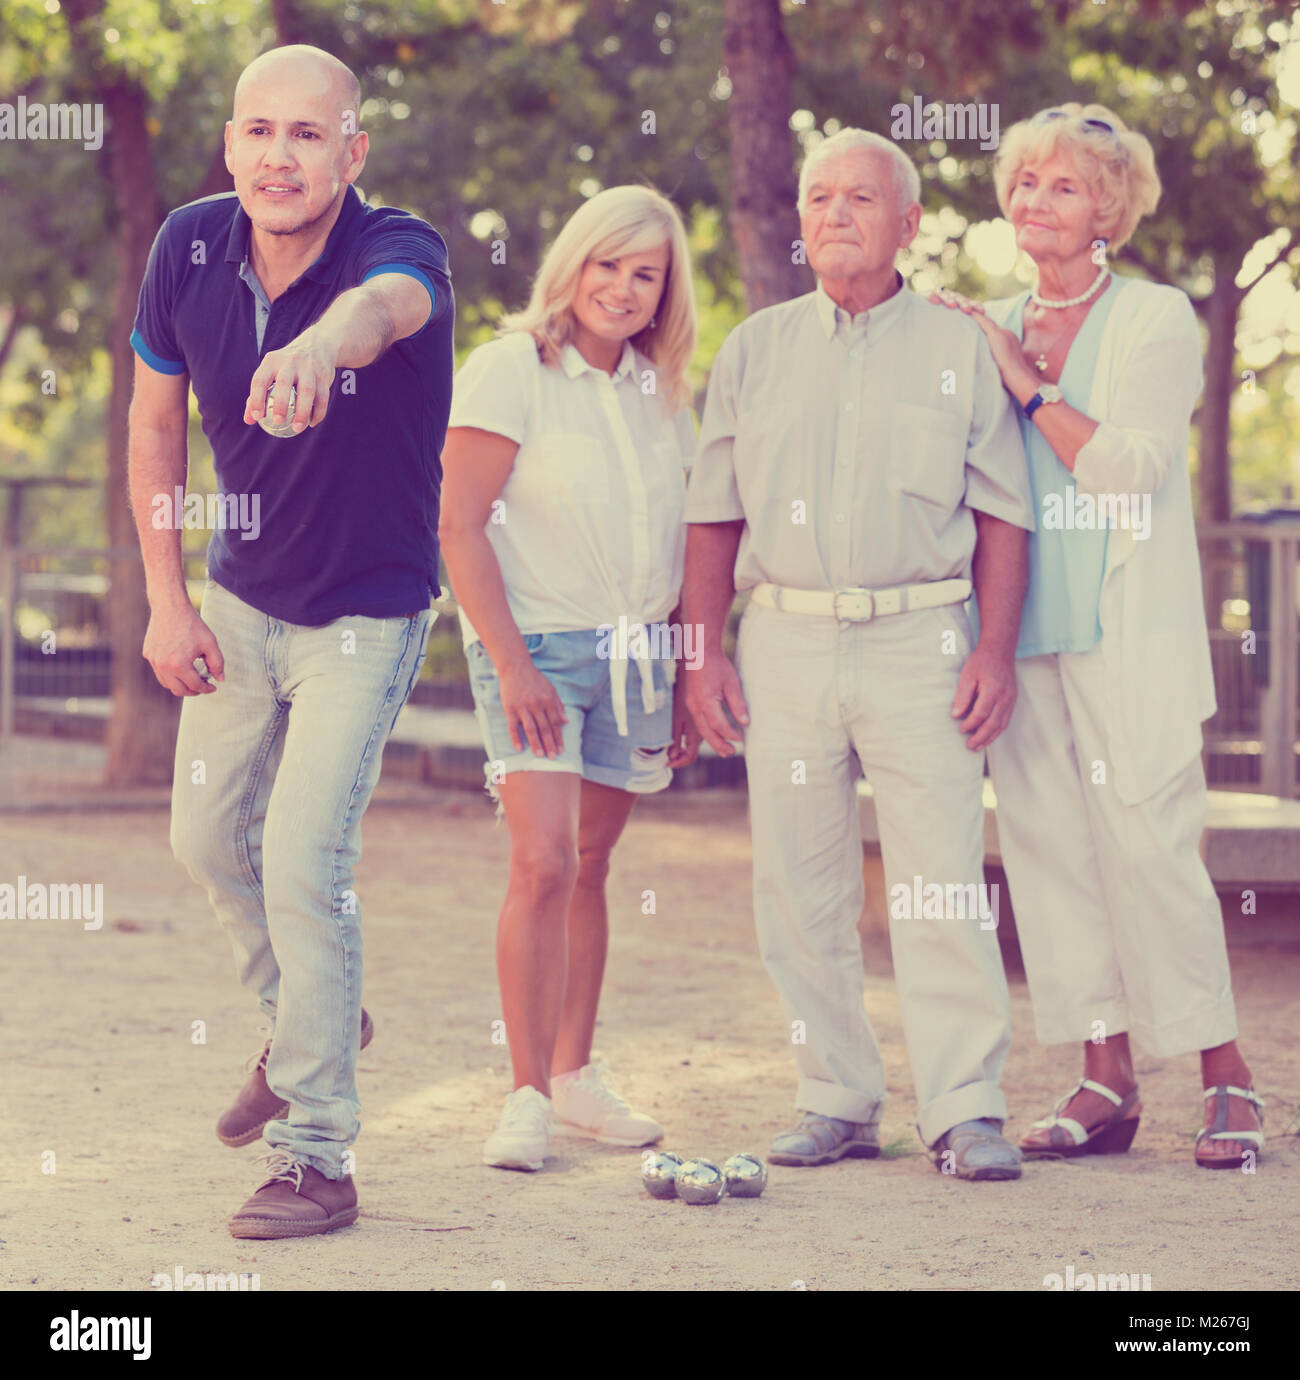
(1041, 362)
(1071, 301)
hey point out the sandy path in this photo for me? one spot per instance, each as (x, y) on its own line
(104, 1073)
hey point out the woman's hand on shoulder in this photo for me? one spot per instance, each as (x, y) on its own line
(1008, 353)
(946, 297)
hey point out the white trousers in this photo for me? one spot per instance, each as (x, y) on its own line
(1119, 925)
(820, 691)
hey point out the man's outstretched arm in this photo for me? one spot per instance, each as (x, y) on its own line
(356, 328)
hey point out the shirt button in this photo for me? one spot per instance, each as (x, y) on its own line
(839, 517)
(848, 407)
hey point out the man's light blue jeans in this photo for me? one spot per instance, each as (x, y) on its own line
(273, 773)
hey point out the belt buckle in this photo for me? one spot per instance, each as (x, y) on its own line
(862, 601)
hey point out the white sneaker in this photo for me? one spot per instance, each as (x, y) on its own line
(522, 1138)
(591, 1105)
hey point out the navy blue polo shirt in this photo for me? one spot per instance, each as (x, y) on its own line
(349, 508)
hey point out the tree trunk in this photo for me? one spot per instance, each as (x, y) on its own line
(17, 320)
(142, 722)
(142, 726)
(1214, 482)
(764, 222)
(290, 26)
(216, 179)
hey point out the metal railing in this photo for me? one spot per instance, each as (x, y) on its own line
(54, 644)
(1251, 577)
(54, 637)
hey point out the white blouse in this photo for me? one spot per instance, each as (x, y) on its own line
(588, 529)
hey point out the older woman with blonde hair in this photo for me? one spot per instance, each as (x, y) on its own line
(1101, 794)
(562, 506)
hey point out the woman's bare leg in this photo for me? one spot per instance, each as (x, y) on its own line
(542, 810)
(604, 812)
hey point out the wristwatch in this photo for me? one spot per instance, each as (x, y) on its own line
(1047, 393)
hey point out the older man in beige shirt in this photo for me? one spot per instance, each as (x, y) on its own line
(858, 466)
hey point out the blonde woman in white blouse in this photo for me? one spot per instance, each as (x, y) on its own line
(562, 501)
(1100, 790)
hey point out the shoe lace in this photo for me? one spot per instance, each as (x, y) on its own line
(280, 1164)
(599, 1083)
(257, 1060)
(522, 1112)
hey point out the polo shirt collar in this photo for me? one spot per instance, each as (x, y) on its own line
(882, 315)
(573, 364)
(237, 243)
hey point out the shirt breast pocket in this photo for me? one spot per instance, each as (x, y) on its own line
(927, 455)
(576, 467)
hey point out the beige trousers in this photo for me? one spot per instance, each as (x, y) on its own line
(1119, 925)
(820, 693)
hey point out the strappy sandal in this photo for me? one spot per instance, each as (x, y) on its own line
(1071, 1138)
(1219, 1131)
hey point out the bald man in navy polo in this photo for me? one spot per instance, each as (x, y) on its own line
(321, 566)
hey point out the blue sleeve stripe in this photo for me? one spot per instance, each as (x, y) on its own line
(410, 273)
(156, 362)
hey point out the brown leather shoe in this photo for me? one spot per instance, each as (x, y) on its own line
(296, 1200)
(243, 1121)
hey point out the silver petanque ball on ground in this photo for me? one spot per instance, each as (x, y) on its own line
(700, 1181)
(659, 1173)
(267, 423)
(745, 1175)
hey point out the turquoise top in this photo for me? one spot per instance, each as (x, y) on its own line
(1066, 563)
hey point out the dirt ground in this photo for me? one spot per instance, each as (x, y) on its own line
(103, 1071)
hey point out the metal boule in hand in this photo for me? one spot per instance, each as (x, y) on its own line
(267, 423)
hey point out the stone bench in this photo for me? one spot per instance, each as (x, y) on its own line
(1251, 844)
(1251, 840)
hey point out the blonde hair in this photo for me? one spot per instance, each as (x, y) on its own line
(1120, 169)
(614, 223)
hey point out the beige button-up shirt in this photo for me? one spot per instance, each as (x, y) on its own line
(855, 449)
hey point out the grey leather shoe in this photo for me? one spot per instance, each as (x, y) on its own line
(977, 1150)
(821, 1139)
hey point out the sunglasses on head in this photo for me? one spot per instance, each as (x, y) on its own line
(1087, 121)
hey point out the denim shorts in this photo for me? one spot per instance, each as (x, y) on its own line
(593, 747)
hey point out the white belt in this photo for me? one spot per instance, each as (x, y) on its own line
(637, 634)
(861, 605)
